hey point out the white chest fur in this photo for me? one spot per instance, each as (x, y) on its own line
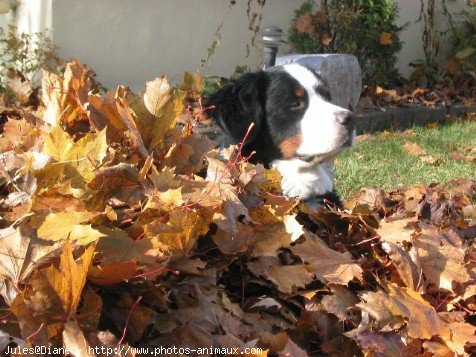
(305, 181)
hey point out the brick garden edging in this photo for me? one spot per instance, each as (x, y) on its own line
(371, 121)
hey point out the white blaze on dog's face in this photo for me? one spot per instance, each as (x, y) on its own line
(324, 127)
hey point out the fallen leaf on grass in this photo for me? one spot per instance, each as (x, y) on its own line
(414, 149)
(430, 160)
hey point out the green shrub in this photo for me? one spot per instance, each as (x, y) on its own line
(365, 28)
(28, 53)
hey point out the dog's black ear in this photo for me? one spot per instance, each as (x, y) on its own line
(235, 106)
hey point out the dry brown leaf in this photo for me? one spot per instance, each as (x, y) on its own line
(413, 149)
(20, 254)
(113, 273)
(291, 349)
(407, 264)
(305, 24)
(332, 266)
(65, 98)
(442, 263)
(339, 302)
(180, 233)
(286, 277)
(380, 343)
(462, 335)
(390, 308)
(386, 38)
(75, 342)
(396, 231)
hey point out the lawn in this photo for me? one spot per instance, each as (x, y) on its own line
(383, 160)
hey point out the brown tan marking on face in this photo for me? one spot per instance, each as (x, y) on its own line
(299, 91)
(290, 145)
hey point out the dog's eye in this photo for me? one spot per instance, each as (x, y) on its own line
(298, 104)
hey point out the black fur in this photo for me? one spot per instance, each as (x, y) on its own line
(258, 97)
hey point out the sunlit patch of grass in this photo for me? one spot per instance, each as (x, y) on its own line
(381, 160)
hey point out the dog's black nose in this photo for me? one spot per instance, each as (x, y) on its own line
(343, 117)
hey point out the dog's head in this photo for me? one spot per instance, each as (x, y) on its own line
(292, 115)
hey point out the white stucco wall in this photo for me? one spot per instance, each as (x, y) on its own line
(411, 36)
(131, 41)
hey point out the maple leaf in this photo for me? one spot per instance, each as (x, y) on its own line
(286, 277)
(19, 86)
(180, 233)
(20, 135)
(68, 281)
(193, 84)
(397, 304)
(292, 349)
(381, 343)
(463, 335)
(66, 225)
(154, 114)
(76, 161)
(64, 98)
(21, 254)
(407, 264)
(112, 273)
(187, 156)
(74, 340)
(442, 263)
(396, 231)
(116, 246)
(53, 296)
(329, 265)
(339, 302)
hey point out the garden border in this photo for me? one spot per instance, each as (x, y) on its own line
(392, 119)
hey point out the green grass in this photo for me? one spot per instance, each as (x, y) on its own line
(381, 160)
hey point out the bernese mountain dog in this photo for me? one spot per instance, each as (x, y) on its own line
(296, 128)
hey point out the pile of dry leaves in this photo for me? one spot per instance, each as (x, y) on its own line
(119, 229)
(410, 95)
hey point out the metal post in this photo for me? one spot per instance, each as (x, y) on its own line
(270, 56)
(271, 39)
